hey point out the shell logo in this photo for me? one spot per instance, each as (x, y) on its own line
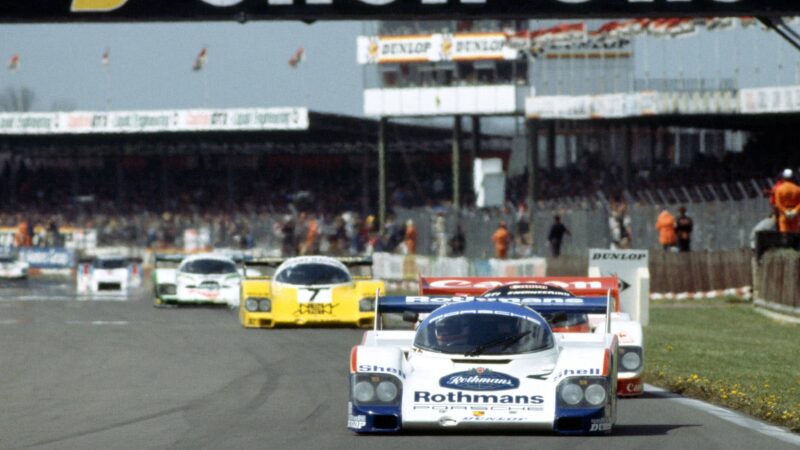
(447, 47)
(373, 48)
(96, 5)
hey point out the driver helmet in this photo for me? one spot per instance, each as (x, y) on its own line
(451, 330)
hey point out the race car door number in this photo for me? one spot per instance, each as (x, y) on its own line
(314, 295)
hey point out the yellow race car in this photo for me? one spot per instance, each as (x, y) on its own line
(308, 290)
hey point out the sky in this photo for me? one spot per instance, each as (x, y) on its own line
(150, 65)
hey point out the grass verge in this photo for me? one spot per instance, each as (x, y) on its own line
(723, 352)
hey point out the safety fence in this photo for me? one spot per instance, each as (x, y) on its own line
(723, 217)
(779, 279)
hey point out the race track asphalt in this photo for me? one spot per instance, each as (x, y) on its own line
(115, 373)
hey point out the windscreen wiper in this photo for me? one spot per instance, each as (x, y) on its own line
(506, 341)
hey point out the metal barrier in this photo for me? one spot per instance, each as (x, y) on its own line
(723, 217)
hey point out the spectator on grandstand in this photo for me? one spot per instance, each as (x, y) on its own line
(785, 175)
(309, 246)
(787, 202)
(458, 243)
(770, 223)
(619, 223)
(287, 238)
(501, 238)
(522, 228)
(394, 233)
(439, 236)
(683, 230)
(24, 236)
(410, 238)
(665, 225)
(556, 236)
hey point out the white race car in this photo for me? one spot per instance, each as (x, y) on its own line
(104, 273)
(203, 278)
(484, 363)
(629, 331)
(12, 268)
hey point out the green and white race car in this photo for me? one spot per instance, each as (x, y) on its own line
(198, 279)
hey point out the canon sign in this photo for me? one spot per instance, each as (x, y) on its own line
(244, 10)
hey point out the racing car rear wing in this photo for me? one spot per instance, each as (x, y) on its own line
(422, 304)
(578, 286)
(274, 262)
(172, 259)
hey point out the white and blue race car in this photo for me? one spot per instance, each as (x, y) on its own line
(484, 363)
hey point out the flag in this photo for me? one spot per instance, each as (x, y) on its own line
(200, 61)
(13, 63)
(298, 56)
(104, 58)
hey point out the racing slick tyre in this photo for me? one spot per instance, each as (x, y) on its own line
(158, 303)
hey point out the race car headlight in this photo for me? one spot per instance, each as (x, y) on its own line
(631, 358)
(363, 391)
(166, 289)
(254, 304)
(386, 391)
(366, 304)
(583, 392)
(375, 389)
(571, 394)
(595, 394)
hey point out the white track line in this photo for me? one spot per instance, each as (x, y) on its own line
(729, 415)
(96, 322)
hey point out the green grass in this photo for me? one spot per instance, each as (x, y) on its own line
(725, 352)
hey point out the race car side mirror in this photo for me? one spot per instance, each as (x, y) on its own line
(410, 316)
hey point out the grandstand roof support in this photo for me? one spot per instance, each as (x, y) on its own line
(382, 122)
(532, 156)
(120, 182)
(12, 180)
(786, 32)
(627, 156)
(551, 145)
(76, 174)
(475, 148)
(456, 161)
(164, 180)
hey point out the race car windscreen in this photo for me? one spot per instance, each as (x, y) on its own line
(208, 267)
(313, 274)
(484, 333)
(110, 264)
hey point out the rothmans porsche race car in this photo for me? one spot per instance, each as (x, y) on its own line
(484, 363)
(308, 290)
(629, 332)
(197, 279)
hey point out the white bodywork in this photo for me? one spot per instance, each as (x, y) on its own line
(474, 389)
(13, 269)
(214, 288)
(532, 405)
(98, 276)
